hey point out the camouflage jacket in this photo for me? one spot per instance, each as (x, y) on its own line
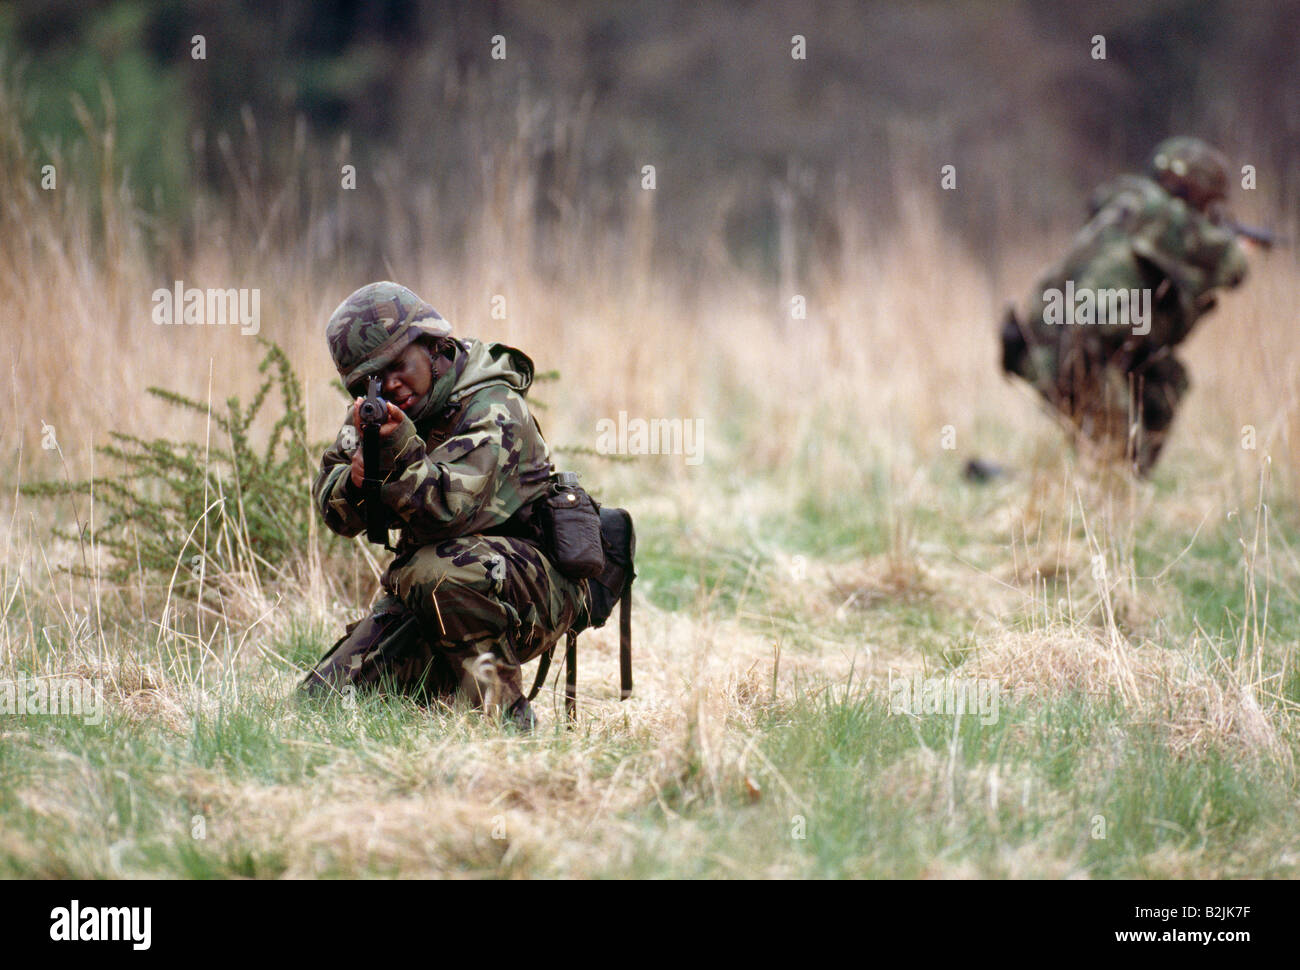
(1140, 237)
(466, 470)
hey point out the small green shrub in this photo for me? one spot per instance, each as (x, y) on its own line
(175, 504)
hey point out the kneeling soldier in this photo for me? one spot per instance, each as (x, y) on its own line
(470, 595)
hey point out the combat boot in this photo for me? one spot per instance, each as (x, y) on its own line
(520, 715)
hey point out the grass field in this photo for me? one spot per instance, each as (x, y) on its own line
(1142, 636)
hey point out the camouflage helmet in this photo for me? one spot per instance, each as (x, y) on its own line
(373, 326)
(1191, 170)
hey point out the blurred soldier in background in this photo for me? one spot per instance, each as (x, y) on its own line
(469, 596)
(1107, 362)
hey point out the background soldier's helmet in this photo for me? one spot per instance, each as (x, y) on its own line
(1191, 170)
(373, 326)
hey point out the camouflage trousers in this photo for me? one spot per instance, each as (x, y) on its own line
(1126, 409)
(1122, 402)
(447, 605)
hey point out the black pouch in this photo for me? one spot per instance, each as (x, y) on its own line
(606, 589)
(570, 528)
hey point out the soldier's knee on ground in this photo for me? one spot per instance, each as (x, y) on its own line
(383, 651)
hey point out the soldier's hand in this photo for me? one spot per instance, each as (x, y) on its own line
(358, 468)
(391, 424)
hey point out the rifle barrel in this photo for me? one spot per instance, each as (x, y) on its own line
(1255, 234)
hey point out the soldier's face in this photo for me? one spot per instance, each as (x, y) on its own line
(408, 379)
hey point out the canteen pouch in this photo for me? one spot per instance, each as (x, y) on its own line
(570, 527)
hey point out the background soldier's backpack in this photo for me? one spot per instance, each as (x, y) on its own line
(613, 585)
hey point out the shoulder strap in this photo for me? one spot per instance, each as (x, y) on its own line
(571, 678)
(625, 641)
(543, 668)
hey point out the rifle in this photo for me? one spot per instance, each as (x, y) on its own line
(373, 412)
(1261, 237)
(1220, 215)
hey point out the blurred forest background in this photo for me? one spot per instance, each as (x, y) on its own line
(753, 142)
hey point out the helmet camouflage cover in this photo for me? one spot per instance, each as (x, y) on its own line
(373, 326)
(1191, 169)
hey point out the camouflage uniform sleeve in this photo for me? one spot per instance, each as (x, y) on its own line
(1229, 268)
(471, 481)
(332, 493)
(1195, 253)
(1196, 256)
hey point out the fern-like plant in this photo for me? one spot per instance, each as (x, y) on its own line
(234, 507)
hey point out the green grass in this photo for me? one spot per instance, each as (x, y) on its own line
(877, 794)
(1210, 584)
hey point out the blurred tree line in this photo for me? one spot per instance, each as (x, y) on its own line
(747, 139)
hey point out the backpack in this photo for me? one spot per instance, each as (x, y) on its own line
(612, 585)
